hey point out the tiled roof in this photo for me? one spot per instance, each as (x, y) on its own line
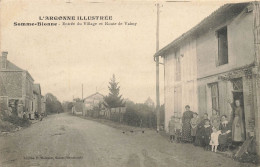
(220, 16)
(97, 93)
(37, 89)
(10, 66)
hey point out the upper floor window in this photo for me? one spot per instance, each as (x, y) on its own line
(178, 67)
(222, 46)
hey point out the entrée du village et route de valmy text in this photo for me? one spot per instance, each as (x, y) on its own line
(71, 18)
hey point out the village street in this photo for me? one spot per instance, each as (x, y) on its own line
(64, 140)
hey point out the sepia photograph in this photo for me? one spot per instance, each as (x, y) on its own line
(131, 83)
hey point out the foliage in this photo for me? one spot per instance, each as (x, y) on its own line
(114, 99)
(67, 106)
(53, 105)
(15, 120)
(6, 126)
(77, 100)
(139, 115)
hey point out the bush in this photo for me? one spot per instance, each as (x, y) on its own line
(17, 121)
(140, 115)
(6, 126)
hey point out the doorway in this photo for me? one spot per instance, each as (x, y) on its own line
(238, 95)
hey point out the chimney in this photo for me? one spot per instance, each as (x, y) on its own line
(4, 60)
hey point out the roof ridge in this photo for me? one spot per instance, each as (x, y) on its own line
(200, 24)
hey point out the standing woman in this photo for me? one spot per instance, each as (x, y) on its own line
(238, 131)
(186, 127)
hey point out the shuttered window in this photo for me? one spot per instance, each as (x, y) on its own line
(222, 46)
(215, 96)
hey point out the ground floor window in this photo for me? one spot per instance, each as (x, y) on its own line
(215, 96)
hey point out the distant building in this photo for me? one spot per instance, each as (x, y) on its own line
(18, 84)
(149, 102)
(93, 101)
(77, 108)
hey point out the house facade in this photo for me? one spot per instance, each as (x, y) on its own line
(149, 102)
(216, 63)
(18, 85)
(93, 101)
(3, 97)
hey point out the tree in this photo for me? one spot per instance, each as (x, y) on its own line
(67, 106)
(114, 99)
(77, 100)
(53, 105)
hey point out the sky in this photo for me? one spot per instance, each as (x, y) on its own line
(62, 58)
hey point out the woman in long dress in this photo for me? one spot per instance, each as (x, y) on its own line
(238, 131)
(186, 127)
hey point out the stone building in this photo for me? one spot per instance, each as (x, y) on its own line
(18, 85)
(215, 62)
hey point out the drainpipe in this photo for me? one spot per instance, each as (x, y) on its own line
(256, 71)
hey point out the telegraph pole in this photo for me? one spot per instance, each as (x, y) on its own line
(83, 112)
(82, 93)
(157, 70)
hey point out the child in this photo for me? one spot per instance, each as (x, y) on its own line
(194, 123)
(214, 139)
(178, 129)
(216, 124)
(206, 133)
(199, 140)
(214, 116)
(171, 127)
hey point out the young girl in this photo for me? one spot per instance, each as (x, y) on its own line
(178, 129)
(214, 116)
(206, 133)
(214, 139)
(194, 123)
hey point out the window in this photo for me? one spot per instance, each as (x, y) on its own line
(237, 84)
(178, 67)
(222, 46)
(214, 96)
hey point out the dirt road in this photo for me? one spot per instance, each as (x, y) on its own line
(67, 141)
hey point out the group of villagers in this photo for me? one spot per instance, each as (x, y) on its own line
(214, 133)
